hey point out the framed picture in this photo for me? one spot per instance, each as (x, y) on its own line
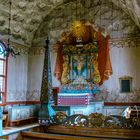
(125, 84)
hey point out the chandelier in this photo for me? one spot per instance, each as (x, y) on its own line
(9, 51)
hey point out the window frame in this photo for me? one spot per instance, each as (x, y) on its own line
(5, 70)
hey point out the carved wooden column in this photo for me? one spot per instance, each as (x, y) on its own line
(46, 112)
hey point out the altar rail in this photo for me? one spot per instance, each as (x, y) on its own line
(81, 133)
(24, 114)
(108, 133)
(49, 136)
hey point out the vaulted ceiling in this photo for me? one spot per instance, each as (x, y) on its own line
(31, 19)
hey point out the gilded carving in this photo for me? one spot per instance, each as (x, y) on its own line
(96, 73)
(64, 78)
(96, 120)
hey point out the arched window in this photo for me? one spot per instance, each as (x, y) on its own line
(3, 73)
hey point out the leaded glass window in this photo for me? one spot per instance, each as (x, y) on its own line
(3, 65)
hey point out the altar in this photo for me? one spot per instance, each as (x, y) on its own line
(78, 92)
(81, 68)
(82, 65)
(93, 107)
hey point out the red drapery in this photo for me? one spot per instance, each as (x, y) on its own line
(59, 62)
(104, 63)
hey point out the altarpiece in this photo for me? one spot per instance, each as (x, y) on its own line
(82, 64)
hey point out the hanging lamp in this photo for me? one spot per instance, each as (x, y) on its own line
(9, 49)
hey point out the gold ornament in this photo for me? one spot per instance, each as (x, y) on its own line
(78, 29)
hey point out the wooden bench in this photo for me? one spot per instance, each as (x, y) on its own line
(23, 121)
(49, 136)
(59, 132)
(108, 133)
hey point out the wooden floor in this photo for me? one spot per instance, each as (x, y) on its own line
(80, 133)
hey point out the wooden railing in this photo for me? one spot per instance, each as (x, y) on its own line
(23, 121)
(49, 136)
(59, 132)
(108, 133)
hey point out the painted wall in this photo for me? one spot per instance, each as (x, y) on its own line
(25, 72)
(17, 78)
(35, 69)
(125, 62)
(25, 75)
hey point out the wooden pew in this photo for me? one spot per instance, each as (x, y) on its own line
(60, 132)
(23, 121)
(108, 133)
(48, 136)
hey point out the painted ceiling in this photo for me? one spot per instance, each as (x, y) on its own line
(31, 20)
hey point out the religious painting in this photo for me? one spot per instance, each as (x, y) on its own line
(125, 84)
(79, 67)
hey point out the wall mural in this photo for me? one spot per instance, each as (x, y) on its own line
(33, 95)
(103, 14)
(123, 34)
(116, 96)
(16, 95)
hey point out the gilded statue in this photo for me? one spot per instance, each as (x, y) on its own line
(64, 78)
(96, 73)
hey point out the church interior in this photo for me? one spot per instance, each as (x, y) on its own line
(69, 69)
